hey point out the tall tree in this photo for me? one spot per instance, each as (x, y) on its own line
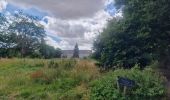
(142, 35)
(76, 51)
(6, 40)
(29, 34)
(23, 36)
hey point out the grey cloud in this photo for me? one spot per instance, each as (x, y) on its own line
(81, 31)
(83, 43)
(71, 31)
(73, 21)
(80, 41)
(65, 9)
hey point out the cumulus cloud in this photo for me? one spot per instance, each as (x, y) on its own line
(70, 21)
(81, 31)
(65, 9)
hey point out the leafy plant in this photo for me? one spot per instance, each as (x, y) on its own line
(149, 86)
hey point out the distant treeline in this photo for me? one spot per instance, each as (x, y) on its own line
(24, 36)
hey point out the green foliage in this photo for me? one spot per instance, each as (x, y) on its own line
(149, 85)
(33, 79)
(140, 36)
(28, 33)
(48, 52)
(24, 37)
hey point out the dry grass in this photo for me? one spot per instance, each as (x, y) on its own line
(85, 69)
(44, 79)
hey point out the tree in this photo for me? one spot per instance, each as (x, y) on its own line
(20, 35)
(142, 35)
(23, 36)
(76, 51)
(28, 34)
(48, 52)
(7, 41)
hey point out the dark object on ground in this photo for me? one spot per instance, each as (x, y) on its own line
(126, 82)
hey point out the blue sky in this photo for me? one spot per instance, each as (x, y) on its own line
(30, 11)
(67, 23)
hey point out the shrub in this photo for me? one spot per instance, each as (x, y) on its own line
(149, 86)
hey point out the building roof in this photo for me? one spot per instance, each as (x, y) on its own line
(80, 51)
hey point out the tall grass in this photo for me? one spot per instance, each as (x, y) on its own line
(68, 79)
(63, 79)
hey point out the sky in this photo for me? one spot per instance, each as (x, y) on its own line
(67, 22)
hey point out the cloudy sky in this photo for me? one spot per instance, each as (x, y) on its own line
(66, 22)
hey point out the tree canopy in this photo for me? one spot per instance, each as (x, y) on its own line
(141, 36)
(23, 36)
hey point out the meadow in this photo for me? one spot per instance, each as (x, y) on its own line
(73, 79)
(46, 79)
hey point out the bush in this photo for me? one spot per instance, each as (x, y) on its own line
(149, 86)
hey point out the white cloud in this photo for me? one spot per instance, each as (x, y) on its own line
(64, 9)
(119, 14)
(81, 31)
(108, 2)
(72, 21)
(3, 4)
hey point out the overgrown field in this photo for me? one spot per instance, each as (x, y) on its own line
(69, 79)
(46, 79)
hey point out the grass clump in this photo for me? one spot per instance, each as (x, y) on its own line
(53, 64)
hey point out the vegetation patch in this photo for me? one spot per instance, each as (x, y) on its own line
(149, 85)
